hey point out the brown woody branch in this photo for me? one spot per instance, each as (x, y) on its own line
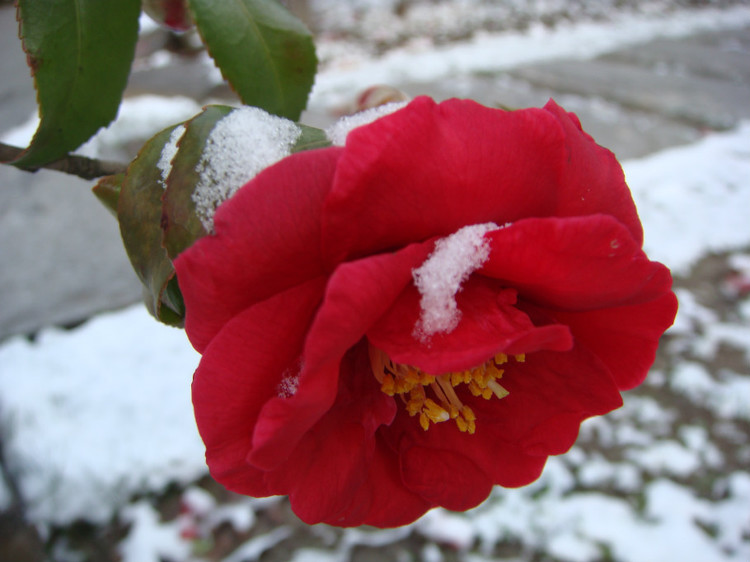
(81, 166)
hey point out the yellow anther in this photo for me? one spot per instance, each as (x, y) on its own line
(389, 385)
(412, 385)
(475, 389)
(414, 407)
(501, 358)
(412, 376)
(436, 413)
(426, 379)
(494, 372)
(402, 386)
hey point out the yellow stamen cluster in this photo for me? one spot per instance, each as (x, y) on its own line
(411, 383)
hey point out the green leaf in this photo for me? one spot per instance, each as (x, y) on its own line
(107, 190)
(265, 52)
(80, 52)
(139, 213)
(181, 224)
(311, 138)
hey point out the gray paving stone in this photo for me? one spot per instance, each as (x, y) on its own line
(61, 253)
(719, 56)
(702, 102)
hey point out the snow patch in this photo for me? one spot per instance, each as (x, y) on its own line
(338, 132)
(99, 413)
(440, 277)
(290, 381)
(687, 215)
(150, 540)
(240, 146)
(168, 153)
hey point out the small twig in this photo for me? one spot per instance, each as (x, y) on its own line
(81, 166)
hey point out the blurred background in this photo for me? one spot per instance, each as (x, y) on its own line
(98, 451)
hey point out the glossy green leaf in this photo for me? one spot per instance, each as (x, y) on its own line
(265, 52)
(140, 215)
(180, 222)
(80, 52)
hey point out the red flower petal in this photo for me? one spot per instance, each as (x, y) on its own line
(577, 263)
(383, 500)
(490, 324)
(267, 240)
(429, 169)
(592, 181)
(550, 394)
(446, 477)
(240, 370)
(625, 338)
(457, 157)
(338, 473)
(357, 294)
(325, 469)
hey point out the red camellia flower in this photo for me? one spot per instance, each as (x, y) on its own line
(430, 310)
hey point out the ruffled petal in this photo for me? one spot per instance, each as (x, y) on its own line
(331, 464)
(357, 294)
(383, 500)
(578, 263)
(428, 170)
(445, 477)
(550, 394)
(490, 323)
(267, 240)
(625, 338)
(592, 180)
(240, 370)
(325, 469)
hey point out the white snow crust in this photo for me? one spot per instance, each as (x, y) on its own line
(338, 132)
(168, 153)
(240, 146)
(440, 277)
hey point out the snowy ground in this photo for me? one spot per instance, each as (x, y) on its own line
(98, 423)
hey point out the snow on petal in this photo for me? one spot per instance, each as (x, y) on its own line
(440, 277)
(338, 132)
(240, 146)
